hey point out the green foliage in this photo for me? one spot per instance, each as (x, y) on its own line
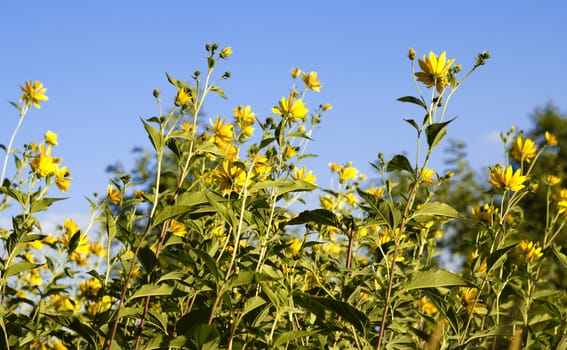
(209, 243)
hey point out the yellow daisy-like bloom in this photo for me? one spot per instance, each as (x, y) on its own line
(427, 306)
(552, 180)
(523, 149)
(467, 296)
(295, 72)
(295, 246)
(51, 138)
(334, 167)
(183, 97)
(486, 213)
(178, 228)
(70, 230)
(507, 178)
(378, 192)
(100, 306)
(44, 164)
(294, 109)
(289, 151)
(229, 177)
(62, 179)
(427, 175)
(332, 248)
(435, 70)
(327, 107)
(347, 173)
(311, 81)
(550, 138)
(304, 175)
(59, 346)
(33, 93)
(222, 132)
(562, 200)
(113, 194)
(326, 202)
(262, 166)
(530, 250)
(245, 118)
(90, 288)
(70, 226)
(97, 249)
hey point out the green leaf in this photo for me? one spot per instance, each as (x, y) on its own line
(18, 195)
(435, 133)
(155, 136)
(170, 212)
(435, 209)
(43, 204)
(288, 336)
(218, 90)
(284, 186)
(151, 290)
(562, 258)
(173, 81)
(317, 304)
(209, 262)
(399, 162)
(252, 304)
(172, 276)
(243, 278)
(414, 100)
(317, 216)
(206, 337)
(413, 123)
(148, 259)
(434, 279)
(16, 268)
(160, 341)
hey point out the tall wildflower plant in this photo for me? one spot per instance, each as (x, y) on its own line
(209, 242)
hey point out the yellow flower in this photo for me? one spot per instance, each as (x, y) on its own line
(304, 175)
(351, 199)
(101, 306)
(37, 244)
(427, 306)
(523, 149)
(97, 249)
(295, 72)
(70, 226)
(550, 138)
(332, 248)
(90, 288)
(486, 213)
(83, 243)
(44, 164)
(62, 180)
(507, 178)
(33, 92)
(291, 107)
(187, 127)
(468, 297)
(222, 132)
(289, 151)
(178, 228)
(51, 138)
(435, 70)
(227, 51)
(326, 202)
(530, 250)
(347, 173)
(183, 97)
(427, 175)
(562, 200)
(327, 107)
(229, 177)
(245, 118)
(295, 246)
(59, 346)
(552, 180)
(378, 192)
(113, 194)
(334, 167)
(311, 81)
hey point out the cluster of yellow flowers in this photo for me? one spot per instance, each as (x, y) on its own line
(44, 165)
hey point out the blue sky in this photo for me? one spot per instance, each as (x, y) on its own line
(101, 60)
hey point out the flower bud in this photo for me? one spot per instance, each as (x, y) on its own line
(208, 47)
(156, 93)
(457, 68)
(295, 72)
(227, 51)
(197, 73)
(327, 107)
(226, 75)
(411, 53)
(215, 46)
